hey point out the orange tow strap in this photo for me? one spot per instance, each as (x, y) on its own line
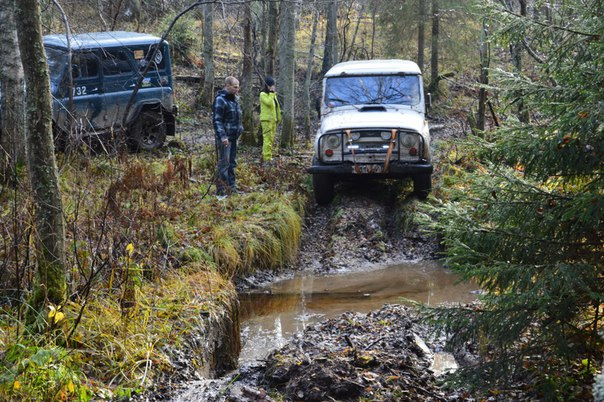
(354, 159)
(390, 148)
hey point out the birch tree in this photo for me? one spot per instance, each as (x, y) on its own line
(12, 141)
(287, 44)
(50, 283)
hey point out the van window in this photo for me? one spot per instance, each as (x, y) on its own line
(57, 58)
(85, 65)
(115, 62)
(158, 62)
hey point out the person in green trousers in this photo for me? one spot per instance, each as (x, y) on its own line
(270, 116)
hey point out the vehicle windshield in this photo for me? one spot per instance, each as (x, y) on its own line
(380, 90)
(57, 60)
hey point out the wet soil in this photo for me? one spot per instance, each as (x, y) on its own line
(378, 356)
(363, 227)
(360, 230)
(272, 315)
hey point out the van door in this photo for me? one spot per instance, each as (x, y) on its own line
(119, 79)
(156, 87)
(87, 94)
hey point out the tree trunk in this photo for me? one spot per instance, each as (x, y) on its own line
(341, 36)
(271, 46)
(434, 50)
(263, 22)
(523, 113)
(12, 141)
(330, 52)
(373, 12)
(309, 64)
(356, 31)
(50, 284)
(421, 35)
(247, 99)
(207, 92)
(287, 65)
(516, 56)
(484, 78)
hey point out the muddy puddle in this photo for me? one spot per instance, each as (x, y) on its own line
(271, 316)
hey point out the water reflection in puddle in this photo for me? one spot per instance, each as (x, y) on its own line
(272, 316)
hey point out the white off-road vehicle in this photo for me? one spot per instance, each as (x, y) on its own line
(373, 123)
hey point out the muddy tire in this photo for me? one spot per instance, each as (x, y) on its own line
(422, 184)
(322, 185)
(148, 132)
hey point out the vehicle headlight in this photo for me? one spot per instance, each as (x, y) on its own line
(332, 141)
(409, 140)
(355, 136)
(386, 135)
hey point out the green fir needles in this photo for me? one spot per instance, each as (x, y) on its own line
(526, 218)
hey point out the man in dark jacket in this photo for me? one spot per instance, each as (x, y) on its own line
(227, 129)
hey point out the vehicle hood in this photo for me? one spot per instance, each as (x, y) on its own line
(404, 119)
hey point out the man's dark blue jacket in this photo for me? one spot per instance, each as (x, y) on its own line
(227, 116)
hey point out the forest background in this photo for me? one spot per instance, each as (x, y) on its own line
(518, 199)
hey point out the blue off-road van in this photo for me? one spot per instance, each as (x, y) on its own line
(105, 69)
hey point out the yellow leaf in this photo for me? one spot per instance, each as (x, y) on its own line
(70, 387)
(17, 385)
(59, 316)
(130, 249)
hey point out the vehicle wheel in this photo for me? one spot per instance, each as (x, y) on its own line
(422, 184)
(322, 185)
(149, 131)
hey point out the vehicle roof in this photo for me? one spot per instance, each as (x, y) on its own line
(369, 67)
(101, 39)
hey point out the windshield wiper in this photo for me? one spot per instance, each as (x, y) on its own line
(342, 101)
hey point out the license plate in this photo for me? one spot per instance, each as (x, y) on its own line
(367, 169)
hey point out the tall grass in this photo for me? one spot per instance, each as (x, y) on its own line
(264, 233)
(175, 280)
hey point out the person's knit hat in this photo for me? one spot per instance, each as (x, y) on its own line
(270, 81)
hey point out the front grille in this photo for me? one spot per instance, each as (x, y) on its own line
(372, 147)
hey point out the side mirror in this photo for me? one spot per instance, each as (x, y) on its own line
(428, 100)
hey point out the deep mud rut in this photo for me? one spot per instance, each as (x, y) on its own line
(380, 355)
(360, 230)
(377, 356)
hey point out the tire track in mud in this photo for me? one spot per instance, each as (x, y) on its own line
(369, 224)
(366, 226)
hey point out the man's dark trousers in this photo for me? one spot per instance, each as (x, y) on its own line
(227, 161)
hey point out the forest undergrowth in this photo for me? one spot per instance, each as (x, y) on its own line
(151, 256)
